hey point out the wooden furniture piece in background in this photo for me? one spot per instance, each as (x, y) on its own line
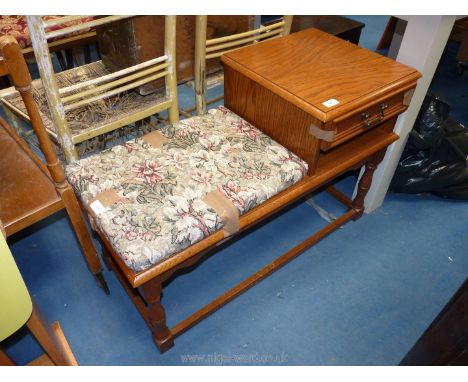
(212, 48)
(387, 34)
(460, 34)
(349, 91)
(132, 41)
(99, 101)
(445, 341)
(334, 94)
(30, 190)
(16, 309)
(265, 85)
(339, 26)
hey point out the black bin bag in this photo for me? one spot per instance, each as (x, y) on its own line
(435, 158)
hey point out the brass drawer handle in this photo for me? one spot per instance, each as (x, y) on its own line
(371, 122)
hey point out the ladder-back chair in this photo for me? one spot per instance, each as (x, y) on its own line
(89, 101)
(214, 48)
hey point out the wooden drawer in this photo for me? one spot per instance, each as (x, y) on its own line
(350, 125)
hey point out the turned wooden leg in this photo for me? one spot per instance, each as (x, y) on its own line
(45, 336)
(106, 256)
(162, 336)
(83, 235)
(365, 183)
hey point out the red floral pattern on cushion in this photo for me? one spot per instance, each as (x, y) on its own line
(160, 210)
(17, 27)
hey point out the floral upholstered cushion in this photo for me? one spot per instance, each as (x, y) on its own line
(159, 209)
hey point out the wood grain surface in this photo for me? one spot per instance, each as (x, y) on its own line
(310, 67)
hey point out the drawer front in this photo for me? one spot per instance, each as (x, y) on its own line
(364, 120)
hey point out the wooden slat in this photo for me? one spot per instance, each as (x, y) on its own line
(214, 41)
(338, 195)
(243, 41)
(220, 53)
(64, 41)
(114, 91)
(86, 25)
(91, 133)
(23, 115)
(61, 20)
(112, 75)
(113, 84)
(17, 111)
(249, 282)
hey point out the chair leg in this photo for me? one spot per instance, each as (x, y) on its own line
(84, 237)
(5, 360)
(365, 183)
(162, 336)
(200, 64)
(45, 336)
(106, 257)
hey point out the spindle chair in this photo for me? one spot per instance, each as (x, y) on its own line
(91, 90)
(207, 49)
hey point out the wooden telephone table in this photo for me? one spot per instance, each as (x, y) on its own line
(330, 102)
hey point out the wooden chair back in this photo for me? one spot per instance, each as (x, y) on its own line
(65, 99)
(213, 48)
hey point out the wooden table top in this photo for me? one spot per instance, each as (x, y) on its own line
(311, 67)
(330, 23)
(27, 194)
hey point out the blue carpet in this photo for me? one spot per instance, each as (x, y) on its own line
(362, 296)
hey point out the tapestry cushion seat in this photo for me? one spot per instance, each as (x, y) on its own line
(149, 195)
